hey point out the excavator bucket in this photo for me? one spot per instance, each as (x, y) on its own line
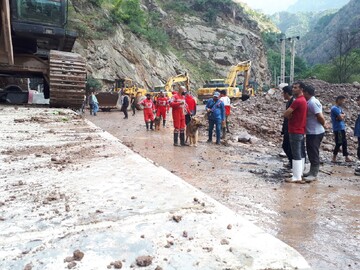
(67, 79)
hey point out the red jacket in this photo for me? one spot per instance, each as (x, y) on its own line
(162, 102)
(191, 104)
(148, 104)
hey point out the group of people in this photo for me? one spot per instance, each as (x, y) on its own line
(184, 107)
(304, 129)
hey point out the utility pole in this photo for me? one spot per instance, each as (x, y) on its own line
(283, 52)
(293, 52)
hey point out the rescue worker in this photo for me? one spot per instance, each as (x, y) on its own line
(125, 104)
(149, 108)
(162, 106)
(133, 104)
(227, 103)
(190, 107)
(216, 114)
(178, 106)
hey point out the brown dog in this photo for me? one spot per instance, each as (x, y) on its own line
(157, 122)
(192, 131)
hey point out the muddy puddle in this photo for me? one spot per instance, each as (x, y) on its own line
(321, 220)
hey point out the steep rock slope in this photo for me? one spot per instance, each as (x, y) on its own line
(319, 44)
(204, 50)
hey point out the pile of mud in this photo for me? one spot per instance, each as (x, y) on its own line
(262, 116)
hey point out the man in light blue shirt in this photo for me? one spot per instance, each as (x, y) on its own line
(338, 124)
(315, 131)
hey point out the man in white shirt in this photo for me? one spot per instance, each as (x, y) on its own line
(315, 130)
(227, 103)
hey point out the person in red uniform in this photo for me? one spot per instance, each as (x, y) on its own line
(162, 107)
(149, 108)
(190, 107)
(178, 105)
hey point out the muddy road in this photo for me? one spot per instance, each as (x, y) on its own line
(321, 220)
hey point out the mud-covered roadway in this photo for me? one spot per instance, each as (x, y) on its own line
(321, 220)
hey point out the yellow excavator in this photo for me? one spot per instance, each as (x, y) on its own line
(168, 87)
(229, 84)
(34, 43)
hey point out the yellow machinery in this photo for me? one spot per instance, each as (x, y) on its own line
(168, 87)
(112, 100)
(229, 84)
(35, 43)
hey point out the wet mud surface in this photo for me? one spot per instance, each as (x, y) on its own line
(321, 220)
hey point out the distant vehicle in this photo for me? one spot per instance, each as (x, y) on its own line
(229, 84)
(168, 87)
(112, 99)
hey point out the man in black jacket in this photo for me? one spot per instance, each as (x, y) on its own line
(288, 96)
(125, 104)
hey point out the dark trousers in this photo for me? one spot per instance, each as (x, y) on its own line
(297, 146)
(91, 108)
(358, 149)
(133, 108)
(313, 143)
(124, 110)
(340, 141)
(187, 119)
(216, 123)
(286, 147)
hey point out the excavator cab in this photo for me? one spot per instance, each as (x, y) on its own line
(38, 26)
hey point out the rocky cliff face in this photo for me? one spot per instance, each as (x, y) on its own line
(321, 43)
(195, 46)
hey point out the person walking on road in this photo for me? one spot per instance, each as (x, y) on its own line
(338, 125)
(125, 104)
(216, 114)
(178, 105)
(357, 134)
(315, 131)
(288, 96)
(296, 114)
(162, 107)
(95, 104)
(149, 108)
(227, 103)
(133, 104)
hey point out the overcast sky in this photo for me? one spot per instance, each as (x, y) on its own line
(268, 6)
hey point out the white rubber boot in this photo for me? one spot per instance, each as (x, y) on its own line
(303, 166)
(297, 172)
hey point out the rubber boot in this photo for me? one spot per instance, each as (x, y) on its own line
(152, 125)
(303, 166)
(182, 139)
(147, 125)
(310, 172)
(314, 170)
(176, 138)
(297, 171)
(223, 133)
(164, 123)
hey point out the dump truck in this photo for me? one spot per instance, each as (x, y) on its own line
(230, 84)
(34, 43)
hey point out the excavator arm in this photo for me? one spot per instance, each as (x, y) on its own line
(6, 46)
(177, 79)
(235, 70)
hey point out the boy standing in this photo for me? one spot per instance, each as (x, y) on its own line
(338, 125)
